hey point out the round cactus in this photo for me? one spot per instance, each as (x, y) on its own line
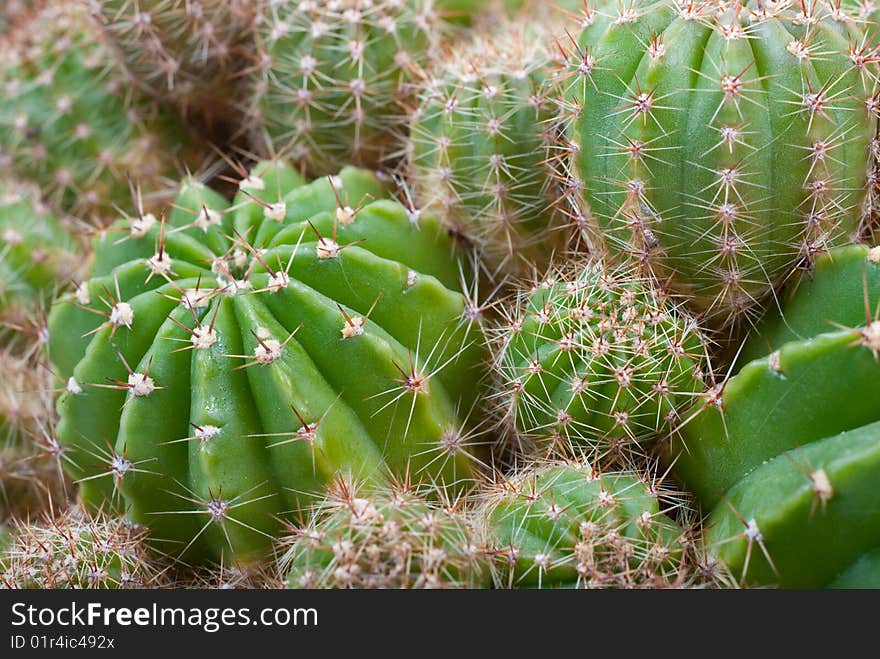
(595, 358)
(224, 365)
(561, 524)
(384, 537)
(480, 143)
(720, 144)
(181, 51)
(38, 255)
(333, 76)
(68, 123)
(785, 453)
(75, 550)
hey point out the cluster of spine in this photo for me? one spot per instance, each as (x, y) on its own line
(480, 142)
(225, 363)
(332, 78)
(390, 536)
(721, 144)
(14, 13)
(75, 550)
(785, 453)
(595, 358)
(562, 525)
(186, 52)
(70, 122)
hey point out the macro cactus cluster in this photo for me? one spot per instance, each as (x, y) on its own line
(439, 294)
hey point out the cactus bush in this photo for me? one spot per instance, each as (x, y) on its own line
(224, 365)
(595, 358)
(786, 452)
(480, 145)
(561, 524)
(332, 77)
(75, 550)
(71, 124)
(720, 144)
(386, 536)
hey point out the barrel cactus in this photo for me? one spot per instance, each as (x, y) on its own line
(480, 143)
(595, 358)
(721, 144)
(385, 536)
(224, 365)
(561, 524)
(785, 453)
(332, 76)
(70, 124)
(75, 550)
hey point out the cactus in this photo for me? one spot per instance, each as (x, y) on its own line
(785, 452)
(38, 255)
(332, 77)
(480, 142)
(180, 51)
(595, 358)
(70, 124)
(561, 524)
(228, 363)
(75, 550)
(388, 536)
(720, 144)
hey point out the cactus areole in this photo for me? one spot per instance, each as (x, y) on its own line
(721, 144)
(224, 364)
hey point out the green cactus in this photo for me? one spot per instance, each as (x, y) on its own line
(228, 363)
(595, 358)
(480, 143)
(721, 145)
(75, 550)
(561, 524)
(70, 124)
(184, 52)
(333, 77)
(784, 453)
(387, 536)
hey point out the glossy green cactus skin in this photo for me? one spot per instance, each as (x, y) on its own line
(249, 353)
(480, 142)
(71, 124)
(386, 536)
(785, 453)
(595, 358)
(720, 149)
(563, 525)
(334, 74)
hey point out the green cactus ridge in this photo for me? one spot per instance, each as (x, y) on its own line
(563, 525)
(595, 358)
(78, 551)
(230, 362)
(783, 452)
(70, 124)
(480, 143)
(390, 536)
(722, 144)
(334, 77)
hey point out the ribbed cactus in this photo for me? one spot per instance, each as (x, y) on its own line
(785, 453)
(228, 363)
(188, 52)
(480, 145)
(595, 358)
(387, 536)
(75, 550)
(38, 255)
(722, 143)
(332, 77)
(561, 524)
(69, 123)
